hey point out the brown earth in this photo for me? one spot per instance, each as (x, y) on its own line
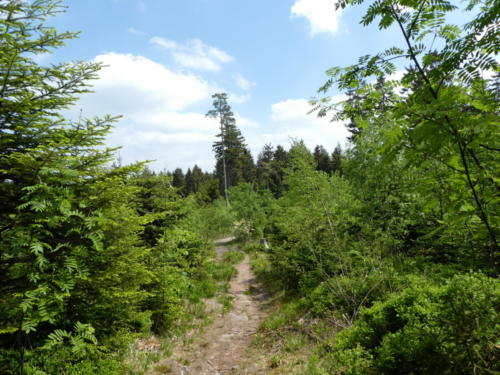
(222, 347)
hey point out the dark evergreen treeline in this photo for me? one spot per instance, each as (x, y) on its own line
(235, 164)
(267, 173)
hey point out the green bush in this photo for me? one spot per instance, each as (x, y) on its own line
(210, 222)
(426, 329)
(233, 257)
(223, 272)
(177, 263)
(52, 364)
(358, 284)
(250, 210)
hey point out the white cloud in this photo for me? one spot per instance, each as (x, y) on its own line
(157, 107)
(290, 119)
(486, 74)
(243, 83)
(396, 76)
(245, 122)
(165, 43)
(173, 139)
(41, 58)
(136, 84)
(164, 115)
(134, 31)
(291, 109)
(194, 54)
(321, 14)
(239, 99)
(181, 121)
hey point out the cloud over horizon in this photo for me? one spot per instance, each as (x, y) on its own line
(156, 103)
(321, 15)
(291, 120)
(243, 83)
(162, 119)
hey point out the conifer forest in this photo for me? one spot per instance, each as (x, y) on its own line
(375, 257)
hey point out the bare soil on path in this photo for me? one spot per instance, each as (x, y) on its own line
(221, 348)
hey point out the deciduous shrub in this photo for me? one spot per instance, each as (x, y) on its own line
(425, 329)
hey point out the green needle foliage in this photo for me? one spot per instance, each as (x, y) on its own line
(47, 167)
(234, 163)
(90, 255)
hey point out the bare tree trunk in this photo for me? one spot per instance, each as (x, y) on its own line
(224, 164)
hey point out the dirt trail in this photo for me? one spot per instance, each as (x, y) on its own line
(221, 348)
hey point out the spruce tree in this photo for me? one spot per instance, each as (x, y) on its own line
(264, 168)
(322, 158)
(188, 187)
(234, 163)
(69, 246)
(280, 161)
(197, 179)
(178, 179)
(336, 161)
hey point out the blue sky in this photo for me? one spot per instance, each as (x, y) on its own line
(166, 57)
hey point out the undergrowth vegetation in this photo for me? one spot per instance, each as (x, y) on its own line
(357, 293)
(397, 253)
